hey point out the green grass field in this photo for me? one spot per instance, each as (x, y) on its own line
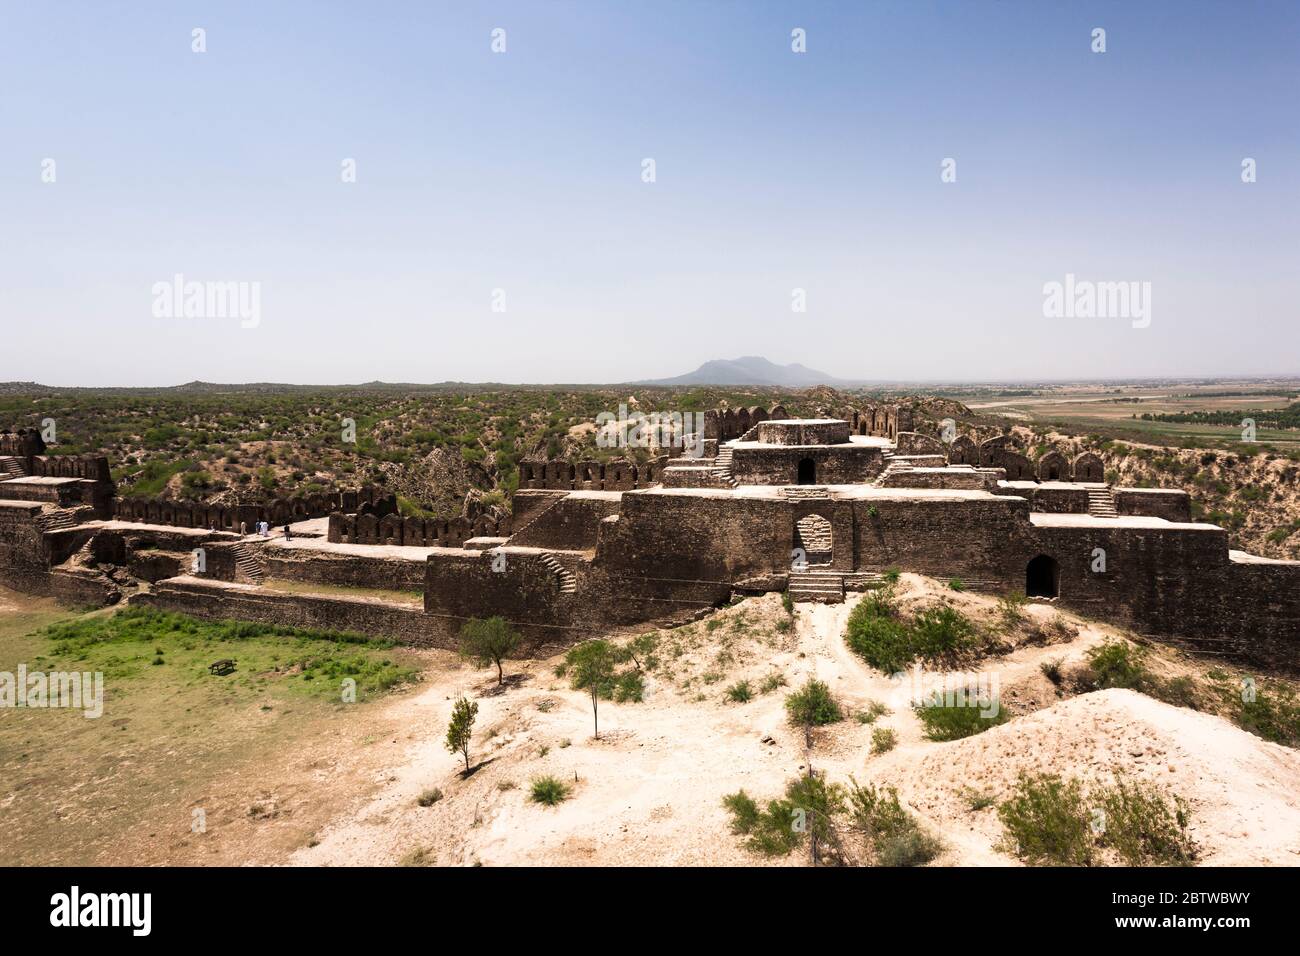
(74, 789)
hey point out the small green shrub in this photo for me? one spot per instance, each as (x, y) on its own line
(1046, 821)
(868, 714)
(813, 704)
(877, 634)
(1118, 664)
(1052, 670)
(740, 692)
(1052, 821)
(883, 740)
(787, 602)
(955, 722)
(549, 791)
(771, 682)
(810, 805)
(1267, 713)
(629, 687)
(1143, 827)
(883, 642)
(429, 797)
(1179, 691)
(957, 584)
(942, 632)
(1011, 609)
(892, 835)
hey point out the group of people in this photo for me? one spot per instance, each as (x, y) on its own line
(263, 529)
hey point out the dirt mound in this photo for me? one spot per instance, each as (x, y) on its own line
(1244, 792)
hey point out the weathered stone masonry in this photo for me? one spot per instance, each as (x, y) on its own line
(591, 549)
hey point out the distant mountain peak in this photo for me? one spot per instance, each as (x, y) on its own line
(750, 370)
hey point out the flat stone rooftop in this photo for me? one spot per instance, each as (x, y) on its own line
(855, 441)
(839, 492)
(157, 528)
(1052, 520)
(1245, 557)
(1068, 485)
(41, 480)
(398, 552)
(795, 422)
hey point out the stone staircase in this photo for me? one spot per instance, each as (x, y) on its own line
(1101, 503)
(862, 580)
(57, 519)
(817, 584)
(567, 579)
(537, 513)
(721, 471)
(247, 565)
(11, 467)
(806, 493)
(891, 467)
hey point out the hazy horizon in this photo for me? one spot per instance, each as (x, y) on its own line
(522, 172)
(880, 383)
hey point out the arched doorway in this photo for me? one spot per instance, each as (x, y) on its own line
(807, 471)
(813, 534)
(1042, 577)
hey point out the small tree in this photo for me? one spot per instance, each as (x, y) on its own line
(461, 727)
(591, 666)
(488, 642)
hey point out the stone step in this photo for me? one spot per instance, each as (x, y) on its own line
(247, 564)
(57, 520)
(805, 493)
(820, 597)
(816, 584)
(537, 513)
(567, 580)
(1101, 503)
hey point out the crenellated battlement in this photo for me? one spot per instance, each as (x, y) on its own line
(393, 529)
(281, 511)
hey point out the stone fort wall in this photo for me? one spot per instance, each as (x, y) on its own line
(617, 475)
(669, 554)
(393, 529)
(194, 514)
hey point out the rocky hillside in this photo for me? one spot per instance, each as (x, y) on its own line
(1256, 497)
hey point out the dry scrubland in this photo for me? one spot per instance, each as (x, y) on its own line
(286, 774)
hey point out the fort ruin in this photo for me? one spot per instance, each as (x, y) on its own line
(818, 507)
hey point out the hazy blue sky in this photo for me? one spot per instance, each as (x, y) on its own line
(522, 171)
